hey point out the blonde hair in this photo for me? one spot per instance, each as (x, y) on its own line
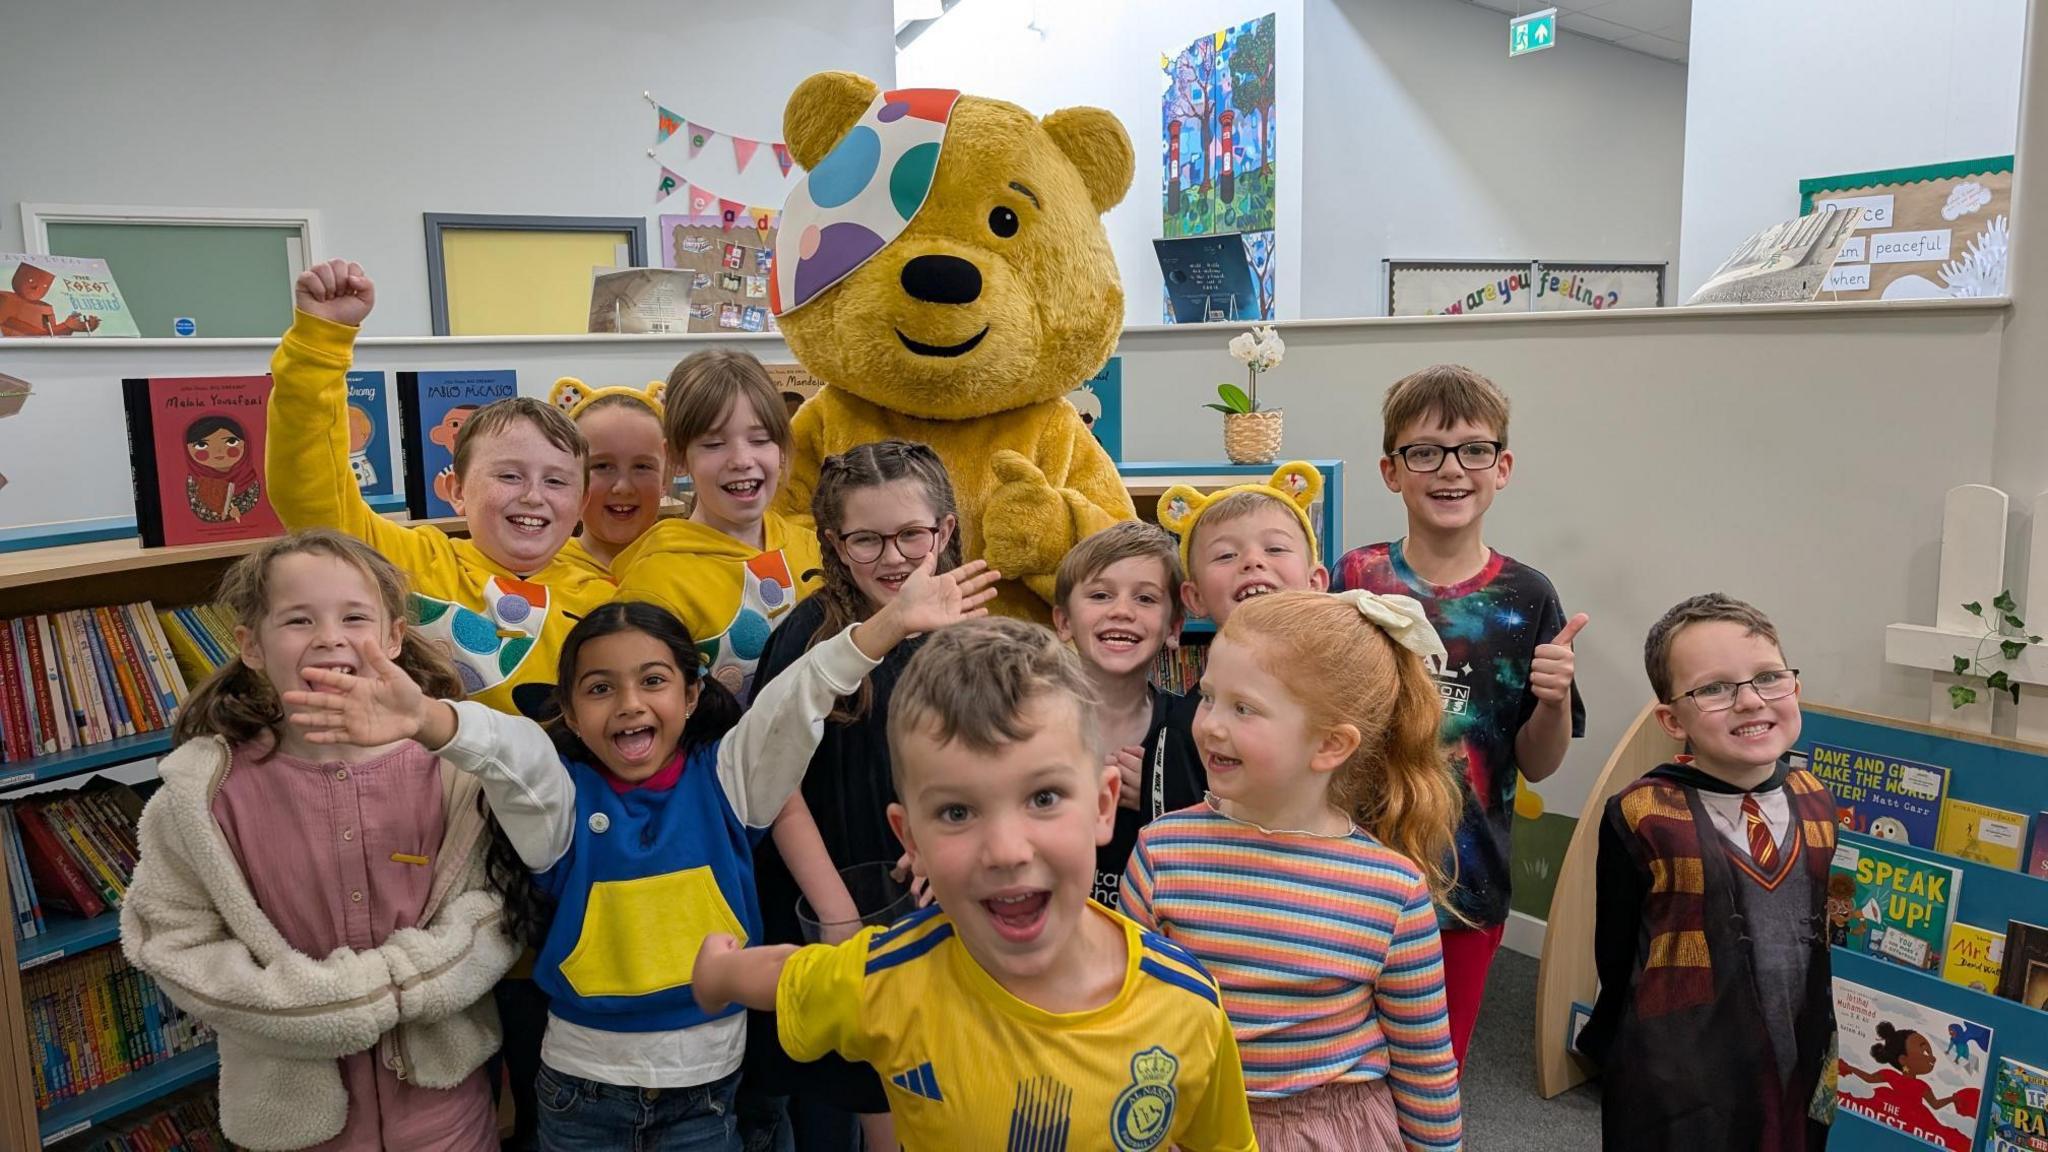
(1344, 669)
(702, 389)
(972, 681)
(238, 703)
(1239, 505)
(1452, 393)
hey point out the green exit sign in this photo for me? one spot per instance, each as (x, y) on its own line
(1532, 33)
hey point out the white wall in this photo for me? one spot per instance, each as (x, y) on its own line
(377, 111)
(1781, 93)
(1424, 141)
(1107, 55)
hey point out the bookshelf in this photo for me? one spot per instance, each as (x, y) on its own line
(1985, 769)
(56, 571)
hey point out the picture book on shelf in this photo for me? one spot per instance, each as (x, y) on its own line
(432, 407)
(195, 448)
(2024, 975)
(2037, 848)
(1982, 833)
(61, 296)
(369, 435)
(1899, 907)
(1890, 799)
(1100, 401)
(1909, 1067)
(2019, 1108)
(1974, 956)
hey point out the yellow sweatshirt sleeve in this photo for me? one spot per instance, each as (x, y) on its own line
(306, 456)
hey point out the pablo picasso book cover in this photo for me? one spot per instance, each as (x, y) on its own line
(432, 407)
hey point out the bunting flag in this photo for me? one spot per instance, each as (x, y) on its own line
(764, 219)
(665, 124)
(730, 212)
(782, 156)
(699, 136)
(743, 150)
(701, 201)
(670, 182)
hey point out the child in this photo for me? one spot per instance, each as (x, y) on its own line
(880, 509)
(628, 464)
(498, 602)
(1509, 701)
(350, 985)
(1015, 1010)
(1116, 603)
(641, 829)
(1244, 541)
(1305, 882)
(1718, 1041)
(733, 569)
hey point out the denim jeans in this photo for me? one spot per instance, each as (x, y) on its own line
(578, 1115)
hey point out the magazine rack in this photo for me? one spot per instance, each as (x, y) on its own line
(1985, 769)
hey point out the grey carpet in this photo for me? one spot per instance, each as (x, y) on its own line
(1502, 1108)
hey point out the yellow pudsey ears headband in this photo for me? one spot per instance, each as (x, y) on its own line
(574, 397)
(1296, 485)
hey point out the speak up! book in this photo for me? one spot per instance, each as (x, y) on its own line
(1890, 799)
(432, 407)
(1901, 906)
(195, 449)
(1908, 1067)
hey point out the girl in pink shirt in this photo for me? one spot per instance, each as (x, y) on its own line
(323, 906)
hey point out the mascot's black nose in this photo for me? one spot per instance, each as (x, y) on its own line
(942, 280)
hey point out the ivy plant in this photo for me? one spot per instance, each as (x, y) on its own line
(2004, 626)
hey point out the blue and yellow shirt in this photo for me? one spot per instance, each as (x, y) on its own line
(968, 1065)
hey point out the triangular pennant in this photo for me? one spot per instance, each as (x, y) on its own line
(743, 150)
(764, 218)
(782, 156)
(700, 201)
(670, 183)
(665, 124)
(699, 136)
(730, 212)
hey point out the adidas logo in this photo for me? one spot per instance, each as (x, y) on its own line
(919, 1081)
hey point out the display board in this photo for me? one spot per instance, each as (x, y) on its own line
(1217, 145)
(1465, 287)
(1930, 232)
(728, 257)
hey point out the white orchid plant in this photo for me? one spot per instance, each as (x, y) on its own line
(1259, 350)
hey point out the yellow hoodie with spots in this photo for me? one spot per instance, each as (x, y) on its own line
(503, 629)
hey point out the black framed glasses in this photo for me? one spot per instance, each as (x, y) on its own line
(1430, 457)
(912, 543)
(1720, 695)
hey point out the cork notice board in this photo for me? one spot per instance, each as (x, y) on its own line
(1934, 231)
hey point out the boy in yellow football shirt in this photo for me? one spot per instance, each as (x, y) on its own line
(1024, 1015)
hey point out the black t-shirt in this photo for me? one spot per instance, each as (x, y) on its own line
(1172, 779)
(1490, 626)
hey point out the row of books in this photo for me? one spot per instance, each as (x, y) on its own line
(1179, 669)
(196, 447)
(83, 677)
(94, 1018)
(202, 637)
(1937, 1094)
(1907, 802)
(187, 1121)
(72, 854)
(1901, 908)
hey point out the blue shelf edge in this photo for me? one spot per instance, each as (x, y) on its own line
(68, 1118)
(67, 936)
(120, 750)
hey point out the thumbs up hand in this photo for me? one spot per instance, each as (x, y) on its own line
(1553, 667)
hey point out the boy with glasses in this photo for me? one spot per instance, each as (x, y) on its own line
(1510, 707)
(1714, 1018)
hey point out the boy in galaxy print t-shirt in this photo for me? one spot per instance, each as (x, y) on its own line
(1510, 706)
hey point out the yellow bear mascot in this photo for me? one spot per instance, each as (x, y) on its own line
(943, 269)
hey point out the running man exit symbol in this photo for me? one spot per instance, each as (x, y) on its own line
(1532, 33)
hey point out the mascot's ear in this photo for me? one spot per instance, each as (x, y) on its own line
(1096, 143)
(1178, 508)
(821, 110)
(1300, 481)
(657, 391)
(567, 393)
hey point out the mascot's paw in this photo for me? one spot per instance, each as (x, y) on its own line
(1025, 527)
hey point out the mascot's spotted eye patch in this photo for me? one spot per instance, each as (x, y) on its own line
(861, 196)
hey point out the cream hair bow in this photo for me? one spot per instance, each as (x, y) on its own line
(1401, 617)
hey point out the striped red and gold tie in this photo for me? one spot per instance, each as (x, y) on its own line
(1761, 849)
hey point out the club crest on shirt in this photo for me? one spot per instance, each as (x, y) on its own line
(1143, 1113)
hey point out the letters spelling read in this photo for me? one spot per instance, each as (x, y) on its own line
(1914, 893)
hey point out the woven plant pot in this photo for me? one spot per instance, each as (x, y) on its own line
(1252, 437)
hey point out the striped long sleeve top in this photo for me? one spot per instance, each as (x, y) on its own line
(1326, 951)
